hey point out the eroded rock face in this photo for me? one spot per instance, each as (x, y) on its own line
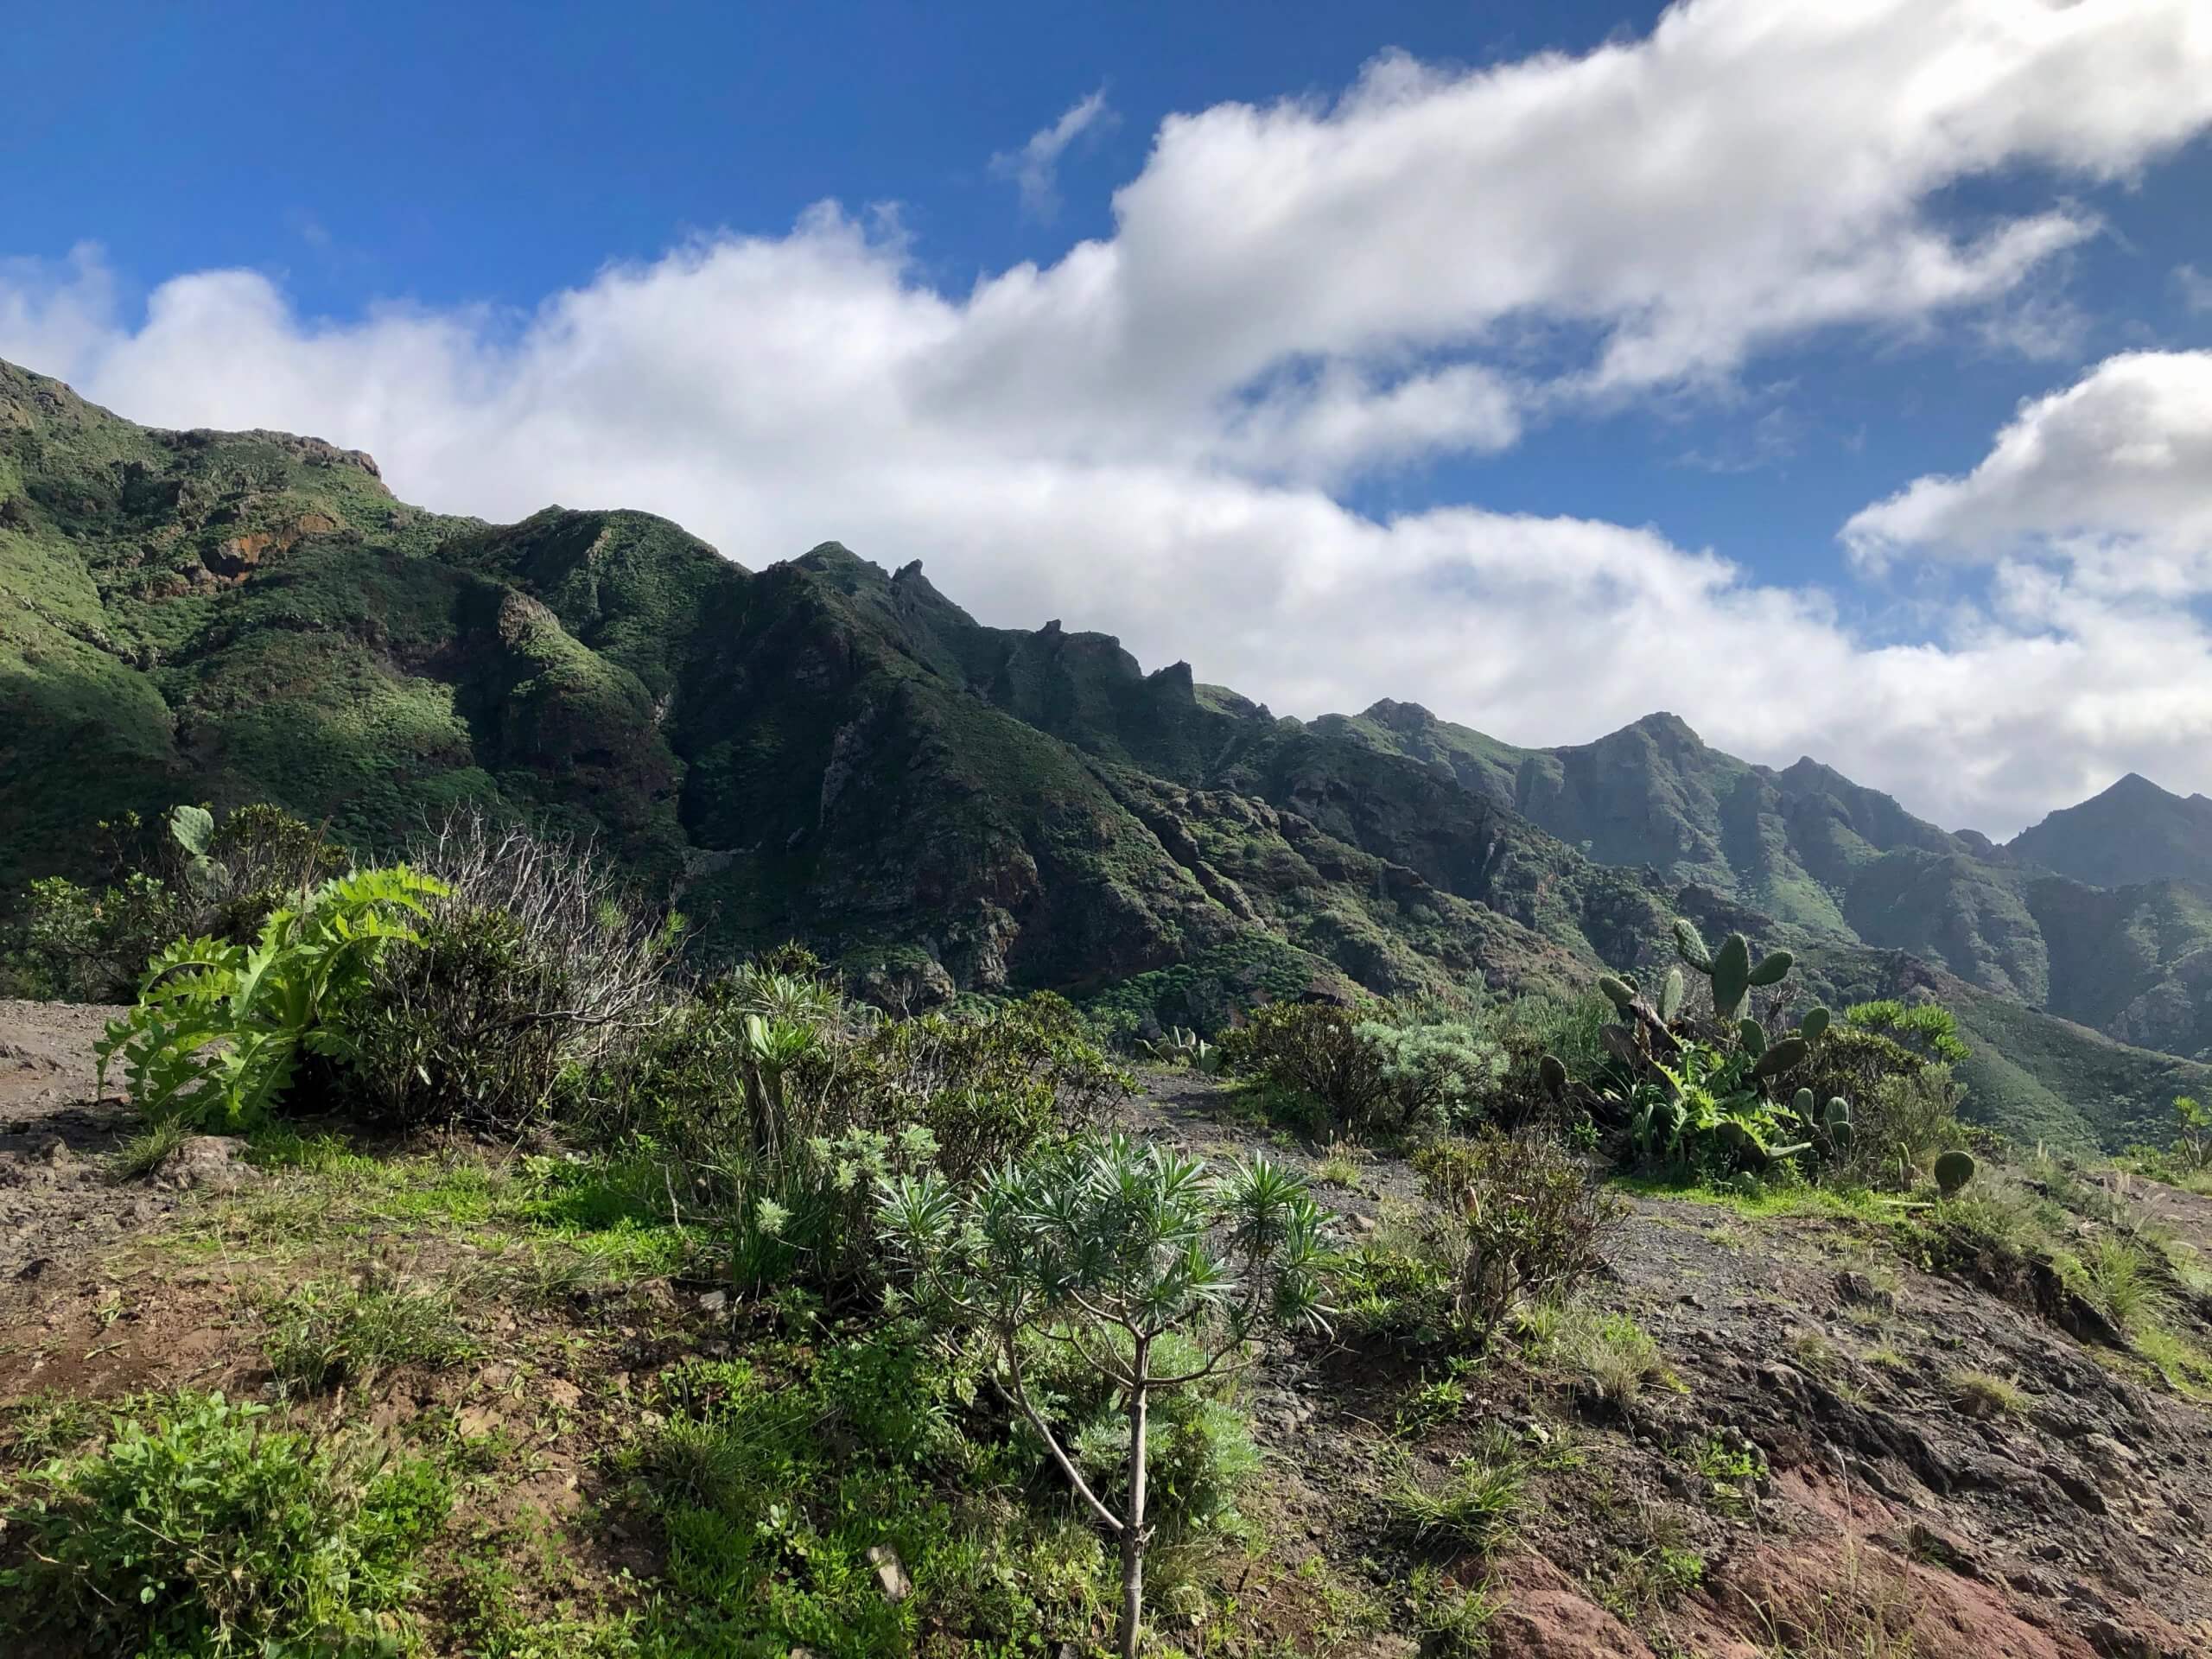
(1547, 1616)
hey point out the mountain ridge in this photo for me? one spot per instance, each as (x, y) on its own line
(824, 749)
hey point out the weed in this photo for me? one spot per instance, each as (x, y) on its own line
(142, 1153)
(2186, 1368)
(2118, 1277)
(198, 1527)
(323, 1333)
(1984, 1395)
(1473, 1508)
(1450, 1620)
(1614, 1354)
(1339, 1166)
(1812, 1350)
(1732, 1471)
(1430, 1403)
(49, 1424)
(1867, 1614)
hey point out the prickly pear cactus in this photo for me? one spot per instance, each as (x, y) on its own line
(1954, 1170)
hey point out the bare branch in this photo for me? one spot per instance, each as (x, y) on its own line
(1105, 1516)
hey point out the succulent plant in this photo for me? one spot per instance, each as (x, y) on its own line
(1780, 1056)
(1730, 969)
(1752, 1035)
(193, 829)
(1814, 1024)
(1553, 1073)
(1670, 994)
(1181, 1043)
(1954, 1170)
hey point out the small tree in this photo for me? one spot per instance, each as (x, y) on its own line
(1109, 1246)
(2192, 1135)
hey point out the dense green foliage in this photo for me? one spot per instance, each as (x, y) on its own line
(197, 879)
(219, 1029)
(1368, 1074)
(196, 1528)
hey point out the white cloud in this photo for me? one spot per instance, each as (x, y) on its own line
(2110, 479)
(2194, 286)
(1150, 435)
(1035, 167)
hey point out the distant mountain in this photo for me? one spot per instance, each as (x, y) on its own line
(2134, 832)
(824, 750)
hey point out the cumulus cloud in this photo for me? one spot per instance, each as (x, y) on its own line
(1156, 433)
(2110, 478)
(1035, 167)
(2194, 286)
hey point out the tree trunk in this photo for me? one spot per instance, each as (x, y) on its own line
(1133, 1528)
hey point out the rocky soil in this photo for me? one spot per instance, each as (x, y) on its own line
(1900, 1512)
(56, 1202)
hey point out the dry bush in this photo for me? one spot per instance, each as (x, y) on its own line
(538, 962)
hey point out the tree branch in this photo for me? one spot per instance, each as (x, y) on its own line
(1107, 1518)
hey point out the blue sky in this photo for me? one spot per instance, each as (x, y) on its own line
(365, 222)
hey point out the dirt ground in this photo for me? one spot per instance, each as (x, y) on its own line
(57, 1204)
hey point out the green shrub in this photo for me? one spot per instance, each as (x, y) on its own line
(1521, 1220)
(1122, 1247)
(1926, 1028)
(779, 1492)
(462, 1029)
(200, 1528)
(1316, 1049)
(1442, 1075)
(783, 1106)
(219, 1029)
(535, 962)
(1399, 1291)
(1901, 1124)
(187, 879)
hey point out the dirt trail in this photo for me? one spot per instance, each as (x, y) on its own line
(57, 1202)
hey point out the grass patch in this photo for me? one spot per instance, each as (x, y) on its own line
(140, 1154)
(1764, 1199)
(1451, 1621)
(1985, 1395)
(1867, 1614)
(2117, 1277)
(1474, 1507)
(324, 1333)
(1614, 1356)
(49, 1424)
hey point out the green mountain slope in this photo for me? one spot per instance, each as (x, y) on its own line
(2132, 833)
(822, 749)
(1814, 851)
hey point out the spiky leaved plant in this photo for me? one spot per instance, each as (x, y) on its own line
(1110, 1246)
(219, 1029)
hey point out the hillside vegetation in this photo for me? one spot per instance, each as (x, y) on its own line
(427, 1265)
(821, 750)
